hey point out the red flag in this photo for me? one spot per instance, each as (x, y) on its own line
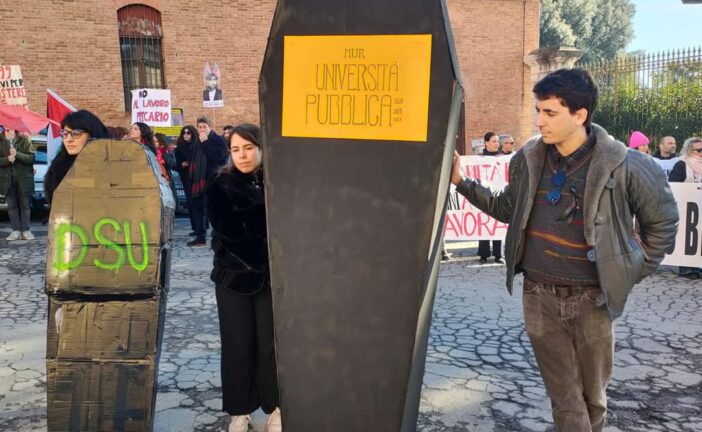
(56, 110)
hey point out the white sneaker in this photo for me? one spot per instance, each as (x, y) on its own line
(27, 235)
(14, 235)
(239, 423)
(274, 422)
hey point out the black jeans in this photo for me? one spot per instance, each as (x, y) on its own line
(484, 248)
(18, 206)
(187, 188)
(198, 213)
(249, 369)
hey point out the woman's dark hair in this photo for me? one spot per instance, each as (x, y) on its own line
(147, 136)
(60, 165)
(194, 137)
(247, 131)
(162, 140)
(86, 121)
(488, 136)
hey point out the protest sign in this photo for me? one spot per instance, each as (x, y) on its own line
(688, 242)
(12, 90)
(331, 90)
(463, 220)
(151, 106)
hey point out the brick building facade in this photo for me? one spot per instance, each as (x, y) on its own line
(74, 49)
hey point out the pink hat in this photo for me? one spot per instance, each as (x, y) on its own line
(637, 139)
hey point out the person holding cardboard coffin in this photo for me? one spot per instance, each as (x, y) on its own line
(17, 181)
(77, 129)
(237, 212)
(573, 194)
(208, 157)
(689, 170)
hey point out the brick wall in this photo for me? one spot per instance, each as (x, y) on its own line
(79, 58)
(492, 38)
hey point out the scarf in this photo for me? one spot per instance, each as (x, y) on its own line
(694, 166)
(162, 162)
(198, 171)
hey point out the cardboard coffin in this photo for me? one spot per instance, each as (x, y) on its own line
(111, 223)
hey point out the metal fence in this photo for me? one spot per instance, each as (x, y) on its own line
(659, 94)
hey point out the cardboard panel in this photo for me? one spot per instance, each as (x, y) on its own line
(105, 330)
(100, 396)
(112, 203)
(137, 274)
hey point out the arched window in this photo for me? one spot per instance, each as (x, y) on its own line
(140, 36)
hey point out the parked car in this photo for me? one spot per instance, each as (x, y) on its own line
(40, 168)
(180, 199)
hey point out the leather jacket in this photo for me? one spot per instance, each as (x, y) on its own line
(621, 184)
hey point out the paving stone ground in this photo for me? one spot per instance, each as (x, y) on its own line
(480, 374)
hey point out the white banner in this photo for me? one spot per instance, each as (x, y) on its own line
(463, 220)
(12, 90)
(151, 106)
(688, 242)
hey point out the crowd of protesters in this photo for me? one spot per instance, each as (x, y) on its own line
(565, 257)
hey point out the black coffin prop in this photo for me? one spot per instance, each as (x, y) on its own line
(355, 201)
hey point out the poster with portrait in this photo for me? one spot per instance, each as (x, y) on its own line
(212, 93)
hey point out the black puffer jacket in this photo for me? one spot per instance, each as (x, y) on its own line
(237, 212)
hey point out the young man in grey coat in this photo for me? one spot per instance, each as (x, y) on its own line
(573, 195)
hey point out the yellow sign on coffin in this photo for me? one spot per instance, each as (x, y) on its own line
(369, 87)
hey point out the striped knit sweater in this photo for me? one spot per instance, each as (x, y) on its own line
(555, 248)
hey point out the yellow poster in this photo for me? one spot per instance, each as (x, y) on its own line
(369, 87)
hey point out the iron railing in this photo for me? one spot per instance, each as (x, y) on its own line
(659, 94)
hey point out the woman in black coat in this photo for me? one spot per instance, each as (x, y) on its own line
(237, 213)
(184, 156)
